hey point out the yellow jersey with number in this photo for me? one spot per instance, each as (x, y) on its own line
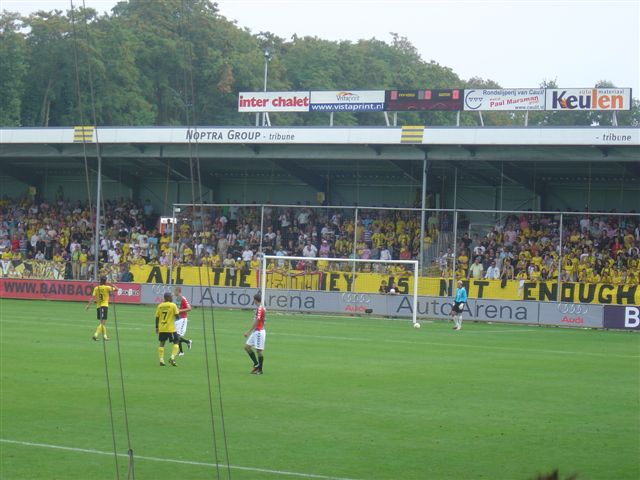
(101, 294)
(166, 313)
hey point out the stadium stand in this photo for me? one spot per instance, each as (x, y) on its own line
(54, 239)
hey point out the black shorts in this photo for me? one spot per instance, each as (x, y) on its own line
(102, 313)
(458, 307)
(173, 337)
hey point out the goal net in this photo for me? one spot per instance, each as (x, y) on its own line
(340, 285)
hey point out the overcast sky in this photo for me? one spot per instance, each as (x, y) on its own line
(516, 43)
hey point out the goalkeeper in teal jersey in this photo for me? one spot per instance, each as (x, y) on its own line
(458, 305)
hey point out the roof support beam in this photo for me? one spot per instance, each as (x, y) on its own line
(517, 175)
(175, 168)
(23, 175)
(464, 166)
(116, 174)
(405, 166)
(182, 171)
(633, 168)
(301, 173)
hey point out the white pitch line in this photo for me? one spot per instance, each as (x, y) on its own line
(409, 342)
(170, 460)
(464, 345)
(124, 326)
(513, 330)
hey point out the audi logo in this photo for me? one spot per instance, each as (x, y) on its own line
(160, 289)
(356, 298)
(573, 308)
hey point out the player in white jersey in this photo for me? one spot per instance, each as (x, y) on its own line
(256, 337)
(181, 322)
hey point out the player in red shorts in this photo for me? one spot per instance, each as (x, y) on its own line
(257, 335)
(181, 322)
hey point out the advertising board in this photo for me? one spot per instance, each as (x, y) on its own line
(345, 303)
(571, 315)
(273, 102)
(588, 99)
(347, 101)
(436, 99)
(504, 99)
(396, 306)
(622, 317)
(64, 290)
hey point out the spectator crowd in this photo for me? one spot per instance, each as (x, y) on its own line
(595, 249)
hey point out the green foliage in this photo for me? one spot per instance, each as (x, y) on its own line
(180, 62)
(13, 67)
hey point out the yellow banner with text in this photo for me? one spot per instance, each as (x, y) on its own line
(600, 293)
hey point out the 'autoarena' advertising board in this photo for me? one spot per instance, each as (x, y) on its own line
(504, 99)
(394, 306)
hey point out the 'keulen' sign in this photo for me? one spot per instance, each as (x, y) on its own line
(588, 99)
(273, 102)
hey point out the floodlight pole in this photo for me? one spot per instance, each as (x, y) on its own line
(455, 257)
(559, 299)
(355, 248)
(423, 213)
(173, 236)
(455, 231)
(261, 226)
(263, 280)
(96, 247)
(267, 59)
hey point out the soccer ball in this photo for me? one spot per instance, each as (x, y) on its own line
(416, 325)
(393, 290)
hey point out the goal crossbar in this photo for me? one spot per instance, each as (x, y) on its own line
(266, 258)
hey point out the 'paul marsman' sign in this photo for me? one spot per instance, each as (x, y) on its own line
(504, 100)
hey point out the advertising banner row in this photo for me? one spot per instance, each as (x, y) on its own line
(554, 99)
(77, 291)
(400, 306)
(600, 293)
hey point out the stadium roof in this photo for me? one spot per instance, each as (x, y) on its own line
(312, 154)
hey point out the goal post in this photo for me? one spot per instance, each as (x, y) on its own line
(363, 272)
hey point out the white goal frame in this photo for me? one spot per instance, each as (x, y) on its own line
(415, 263)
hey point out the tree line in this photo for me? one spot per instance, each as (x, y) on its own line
(181, 62)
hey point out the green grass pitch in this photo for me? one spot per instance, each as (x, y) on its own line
(343, 398)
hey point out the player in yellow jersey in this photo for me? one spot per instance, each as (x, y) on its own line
(166, 313)
(100, 296)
